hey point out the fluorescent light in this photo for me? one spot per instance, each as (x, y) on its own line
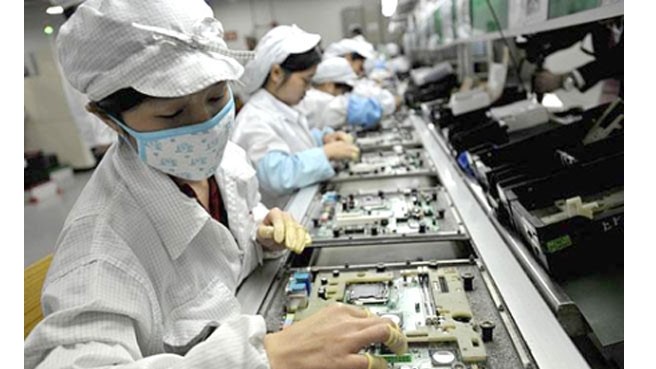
(388, 7)
(55, 10)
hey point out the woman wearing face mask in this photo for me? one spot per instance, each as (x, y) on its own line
(170, 223)
(331, 103)
(287, 154)
(357, 53)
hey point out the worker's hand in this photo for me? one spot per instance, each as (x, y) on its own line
(398, 101)
(338, 136)
(546, 81)
(332, 338)
(340, 150)
(279, 230)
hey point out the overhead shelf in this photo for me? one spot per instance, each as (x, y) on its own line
(587, 16)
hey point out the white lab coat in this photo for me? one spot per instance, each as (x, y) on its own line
(266, 124)
(143, 273)
(323, 109)
(367, 88)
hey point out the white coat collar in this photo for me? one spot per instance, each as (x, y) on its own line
(176, 217)
(264, 97)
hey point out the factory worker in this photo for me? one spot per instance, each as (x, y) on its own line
(356, 52)
(287, 154)
(330, 103)
(149, 259)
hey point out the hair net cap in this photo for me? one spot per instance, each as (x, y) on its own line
(163, 48)
(347, 46)
(336, 70)
(274, 48)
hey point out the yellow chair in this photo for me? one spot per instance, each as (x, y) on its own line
(35, 275)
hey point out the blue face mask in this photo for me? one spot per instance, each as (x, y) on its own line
(191, 152)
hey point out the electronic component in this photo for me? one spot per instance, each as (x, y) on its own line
(440, 334)
(395, 162)
(367, 293)
(382, 214)
(429, 304)
(370, 141)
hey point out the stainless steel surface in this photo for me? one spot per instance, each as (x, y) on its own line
(396, 252)
(389, 184)
(548, 342)
(442, 236)
(515, 337)
(253, 290)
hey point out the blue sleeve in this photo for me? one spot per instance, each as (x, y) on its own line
(283, 173)
(363, 111)
(318, 135)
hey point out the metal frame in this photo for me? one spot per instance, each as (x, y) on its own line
(549, 343)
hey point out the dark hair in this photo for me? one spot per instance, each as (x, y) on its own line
(297, 63)
(356, 30)
(356, 56)
(121, 100)
(69, 11)
(343, 87)
(302, 61)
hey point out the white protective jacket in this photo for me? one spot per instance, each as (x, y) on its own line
(323, 109)
(368, 88)
(266, 125)
(144, 277)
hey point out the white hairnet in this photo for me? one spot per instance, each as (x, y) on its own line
(274, 48)
(163, 48)
(335, 69)
(347, 46)
(392, 49)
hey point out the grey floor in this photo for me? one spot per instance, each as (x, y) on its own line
(44, 220)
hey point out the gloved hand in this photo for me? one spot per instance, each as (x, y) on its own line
(332, 338)
(279, 230)
(340, 150)
(338, 136)
(546, 81)
(363, 111)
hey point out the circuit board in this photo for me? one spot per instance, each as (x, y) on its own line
(376, 140)
(367, 216)
(431, 305)
(398, 161)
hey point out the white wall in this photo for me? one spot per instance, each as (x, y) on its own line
(254, 16)
(48, 122)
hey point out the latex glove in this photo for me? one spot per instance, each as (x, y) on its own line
(332, 338)
(338, 136)
(546, 81)
(279, 230)
(340, 150)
